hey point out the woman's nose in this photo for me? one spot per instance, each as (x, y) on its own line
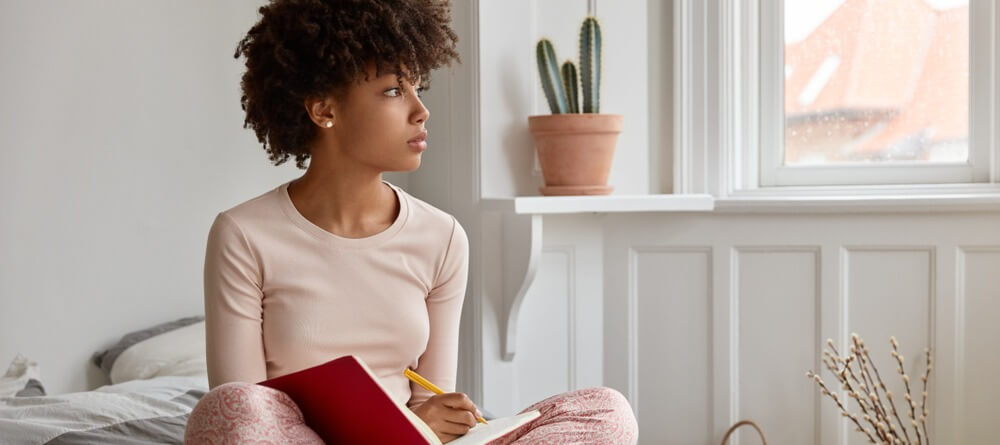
(422, 113)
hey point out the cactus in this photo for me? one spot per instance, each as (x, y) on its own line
(590, 64)
(552, 84)
(572, 86)
(562, 87)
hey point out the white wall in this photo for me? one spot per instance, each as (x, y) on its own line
(511, 90)
(122, 138)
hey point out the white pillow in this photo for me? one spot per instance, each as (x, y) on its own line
(180, 352)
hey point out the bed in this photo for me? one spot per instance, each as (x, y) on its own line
(157, 376)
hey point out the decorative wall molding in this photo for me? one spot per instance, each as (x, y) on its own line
(878, 275)
(634, 254)
(569, 252)
(736, 254)
(960, 412)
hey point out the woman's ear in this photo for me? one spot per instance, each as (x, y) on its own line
(320, 111)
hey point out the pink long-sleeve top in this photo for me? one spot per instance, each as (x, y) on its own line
(282, 294)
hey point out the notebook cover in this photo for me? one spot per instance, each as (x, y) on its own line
(342, 403)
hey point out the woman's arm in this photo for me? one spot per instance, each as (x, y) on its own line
(439, 362)
(233, 309)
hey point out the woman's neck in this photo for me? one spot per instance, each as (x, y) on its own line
(351, 204)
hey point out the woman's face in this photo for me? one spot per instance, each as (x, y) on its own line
(377, 120)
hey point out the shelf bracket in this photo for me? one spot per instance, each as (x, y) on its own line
(522, 249)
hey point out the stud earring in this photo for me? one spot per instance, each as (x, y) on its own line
(329, 124)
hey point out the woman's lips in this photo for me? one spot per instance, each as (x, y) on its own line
(419, 142)
(420, 145)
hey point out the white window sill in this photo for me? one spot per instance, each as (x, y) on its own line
(865, 199)
(543, 205)
(861, 204)
(844, 199)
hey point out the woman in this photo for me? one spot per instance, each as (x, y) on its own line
(339, 261)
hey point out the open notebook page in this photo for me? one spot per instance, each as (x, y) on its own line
(481, 434)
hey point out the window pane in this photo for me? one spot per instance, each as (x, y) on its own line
(876, 81)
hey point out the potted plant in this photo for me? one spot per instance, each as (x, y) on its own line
(575, 145)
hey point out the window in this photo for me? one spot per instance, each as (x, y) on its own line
(835, 97)
(863, 92)
(876, 83)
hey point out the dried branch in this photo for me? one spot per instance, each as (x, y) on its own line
(906, 384)
(888, 395)
(860, 378)
(843, 410)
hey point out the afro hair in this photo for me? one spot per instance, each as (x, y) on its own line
(312, 48)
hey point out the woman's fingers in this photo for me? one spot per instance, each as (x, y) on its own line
(455, 428)
(460, 401)
(463, 417)
(454, 414)
(457, 421)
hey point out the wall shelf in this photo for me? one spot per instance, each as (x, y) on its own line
(522, 219)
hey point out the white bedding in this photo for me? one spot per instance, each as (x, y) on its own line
(133, 412)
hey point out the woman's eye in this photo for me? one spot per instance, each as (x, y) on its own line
(396, 92)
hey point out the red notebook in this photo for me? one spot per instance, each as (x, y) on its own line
(343, 402)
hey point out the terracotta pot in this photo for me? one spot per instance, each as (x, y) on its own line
(575, 151)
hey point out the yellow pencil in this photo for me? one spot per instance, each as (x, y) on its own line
(418, 379)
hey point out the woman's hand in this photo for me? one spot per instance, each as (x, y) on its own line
(450, 415)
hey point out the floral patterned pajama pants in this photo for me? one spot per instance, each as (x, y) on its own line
(237, 413)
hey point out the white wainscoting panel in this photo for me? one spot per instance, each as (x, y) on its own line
(890, 292)
(671, 298)
(979, 296)
(777, 296)
(729, 311)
